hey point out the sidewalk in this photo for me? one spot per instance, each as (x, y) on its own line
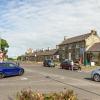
(89, 68)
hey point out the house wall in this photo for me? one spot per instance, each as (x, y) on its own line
(91, 40)
(72, 51)
(96, 57)
(76, 50)
(62, 51)
(43, 57)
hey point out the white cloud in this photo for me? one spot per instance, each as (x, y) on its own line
(39, 24)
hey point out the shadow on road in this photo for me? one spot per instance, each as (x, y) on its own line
(9, 98)
(89, 79)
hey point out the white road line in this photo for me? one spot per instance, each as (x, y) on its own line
(23, 78)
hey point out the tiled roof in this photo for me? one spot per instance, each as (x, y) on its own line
(95, 47)
(47, 52)
(76, 38)
(43, 53)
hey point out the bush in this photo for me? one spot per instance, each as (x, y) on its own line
(30, 95)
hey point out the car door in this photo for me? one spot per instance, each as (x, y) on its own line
(64, 64)
(67, 64)
(11, 69)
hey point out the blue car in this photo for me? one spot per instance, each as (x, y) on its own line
(48, 63)
(10, 69)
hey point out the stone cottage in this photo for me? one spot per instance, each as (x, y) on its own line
(76, 48)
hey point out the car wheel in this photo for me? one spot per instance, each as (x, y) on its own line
(2, 75)
(21, 72)
(96, 77)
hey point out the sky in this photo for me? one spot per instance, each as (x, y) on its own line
(41, 24)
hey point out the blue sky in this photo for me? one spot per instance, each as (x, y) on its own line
(43, 23)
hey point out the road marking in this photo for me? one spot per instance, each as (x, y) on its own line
(24, 78)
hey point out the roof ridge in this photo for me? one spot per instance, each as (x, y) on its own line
(75, 38)
(78, 36)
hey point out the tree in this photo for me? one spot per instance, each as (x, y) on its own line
(3, 45)
(3, 48)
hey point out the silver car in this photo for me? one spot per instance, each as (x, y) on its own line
(95, 75)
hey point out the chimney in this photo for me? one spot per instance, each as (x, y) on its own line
(42, 49)
(93, 32)
(48, 48)
(65, 37)
(57, 46)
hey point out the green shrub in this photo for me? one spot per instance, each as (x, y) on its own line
(30, 95)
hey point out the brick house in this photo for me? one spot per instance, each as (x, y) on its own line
(75, 48)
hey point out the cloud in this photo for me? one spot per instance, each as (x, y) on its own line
(44, 23)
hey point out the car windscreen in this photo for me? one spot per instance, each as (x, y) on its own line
(67, 62)
(50, 61)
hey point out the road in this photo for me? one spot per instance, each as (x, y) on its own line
(44, 79)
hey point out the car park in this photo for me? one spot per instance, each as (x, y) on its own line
(95, 75)
(48, 63)
(10, 69)
(68, 64)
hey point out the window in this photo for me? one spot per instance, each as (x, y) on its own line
(77, 45)
(70, 46)
(7, 65)
(11, 65)
(77, 54)
(63, 48)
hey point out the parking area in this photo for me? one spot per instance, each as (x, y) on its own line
(45, 79)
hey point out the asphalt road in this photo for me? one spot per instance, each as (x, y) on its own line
(44, 79)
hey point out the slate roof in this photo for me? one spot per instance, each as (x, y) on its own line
(76, 39)
(95, 47)
(47, 52)
(43, 53)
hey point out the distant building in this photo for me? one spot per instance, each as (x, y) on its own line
(76, 48)
(30, 50)
(48, 54)
(40, 55)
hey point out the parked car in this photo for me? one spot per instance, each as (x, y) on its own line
(48, 63)
(10, 69)
(68, 64)
(95, 75)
